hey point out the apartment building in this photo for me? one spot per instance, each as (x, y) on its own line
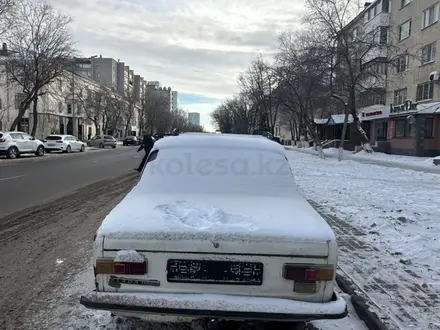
(194, 118)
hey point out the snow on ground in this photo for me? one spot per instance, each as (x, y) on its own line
(64, 312)
(396, 212)
(385, 159)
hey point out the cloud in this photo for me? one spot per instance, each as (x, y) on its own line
(194, 46)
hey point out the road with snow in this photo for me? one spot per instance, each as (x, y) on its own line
(32, 181)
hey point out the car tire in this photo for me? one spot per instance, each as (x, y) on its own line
(68, 150)
(83, 148)
(40, 151)
(101, 145)
(114, 147)
(12, 153)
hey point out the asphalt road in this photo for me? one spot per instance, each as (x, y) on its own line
(35, 181)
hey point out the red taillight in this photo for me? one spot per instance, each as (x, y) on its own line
(308, 272)
(108, 266)
(3, 140)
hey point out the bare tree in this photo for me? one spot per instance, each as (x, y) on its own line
(41, 49)
(153, 111)
(258, 83)
(361, 56)
(93, 101)
(7, 13)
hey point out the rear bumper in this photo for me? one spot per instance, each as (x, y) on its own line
(215, 306)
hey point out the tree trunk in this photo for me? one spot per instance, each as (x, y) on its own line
(364, 137)
(35, 116)
(344, 132)
(20, 114)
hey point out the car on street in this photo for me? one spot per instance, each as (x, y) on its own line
(63, 143)
(102, 141)
(131, 141)
(216, 229)
(14, 144)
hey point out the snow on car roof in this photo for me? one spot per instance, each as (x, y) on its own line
(236, 141)
(202, 187)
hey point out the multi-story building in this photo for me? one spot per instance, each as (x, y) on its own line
(194, 118)
(174, 100)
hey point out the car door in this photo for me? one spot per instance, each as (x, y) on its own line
(31, 143)
(77, 143)
(19, 141)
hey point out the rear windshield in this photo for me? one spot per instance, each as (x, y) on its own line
(54, 137)
(131, 137)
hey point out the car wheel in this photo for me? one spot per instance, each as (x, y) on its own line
(83, 148)
(101, 145)
(12, 153)
(114, 147)
(68, 150)
(40, 151)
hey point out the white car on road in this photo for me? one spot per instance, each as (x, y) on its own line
(14, 144)
(64, 143)
(216, 229)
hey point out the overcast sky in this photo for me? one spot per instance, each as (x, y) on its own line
(197, 47)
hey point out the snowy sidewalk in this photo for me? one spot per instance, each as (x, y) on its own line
(387, 224)
(421, 164)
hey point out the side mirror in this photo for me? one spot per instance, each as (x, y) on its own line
(33, 139)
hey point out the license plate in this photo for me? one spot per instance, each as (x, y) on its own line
(215, 272)
(51, 144)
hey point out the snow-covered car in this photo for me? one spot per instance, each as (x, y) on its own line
(216, 229)
(14, 144)
(64, 143)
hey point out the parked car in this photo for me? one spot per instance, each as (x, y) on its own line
(14, 144)
(64, 143)
(131, 141)
(102, 141)
(223, 233)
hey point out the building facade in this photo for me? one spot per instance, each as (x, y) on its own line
(194, 118)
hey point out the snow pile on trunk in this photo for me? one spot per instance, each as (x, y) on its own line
(199, 217)
(129, 256)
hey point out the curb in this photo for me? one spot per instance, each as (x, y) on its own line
(370, 319)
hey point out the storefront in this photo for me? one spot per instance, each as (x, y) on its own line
(375, 122)
(414, 129)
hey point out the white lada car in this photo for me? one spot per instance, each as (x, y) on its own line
(216, 229)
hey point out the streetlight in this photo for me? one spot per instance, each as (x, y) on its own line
(74, 120)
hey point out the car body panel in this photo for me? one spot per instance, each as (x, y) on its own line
(201, 213)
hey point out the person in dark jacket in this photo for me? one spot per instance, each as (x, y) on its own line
(147, 145)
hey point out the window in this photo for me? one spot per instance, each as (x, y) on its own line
(372, 97)
(383, 35)
(429, 127)
(429, 53)
(381, 131)
(404, 30)
(69, 108)
(385, 6)
(402, 63)
(430, 16)
(400, 96)
(404, 3)
(425, 91)
(403, 128)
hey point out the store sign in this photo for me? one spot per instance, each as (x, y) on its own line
(408, 106)
(372, 113)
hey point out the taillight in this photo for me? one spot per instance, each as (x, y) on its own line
(109, 266)
(3, 140)
(308, 272)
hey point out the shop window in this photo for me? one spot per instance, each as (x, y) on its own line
(429, 127)
(381, 131)
(403, 128)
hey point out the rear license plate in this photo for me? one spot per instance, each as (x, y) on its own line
(215, 272)
(51, 144)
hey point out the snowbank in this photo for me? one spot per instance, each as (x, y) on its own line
(397, 212)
